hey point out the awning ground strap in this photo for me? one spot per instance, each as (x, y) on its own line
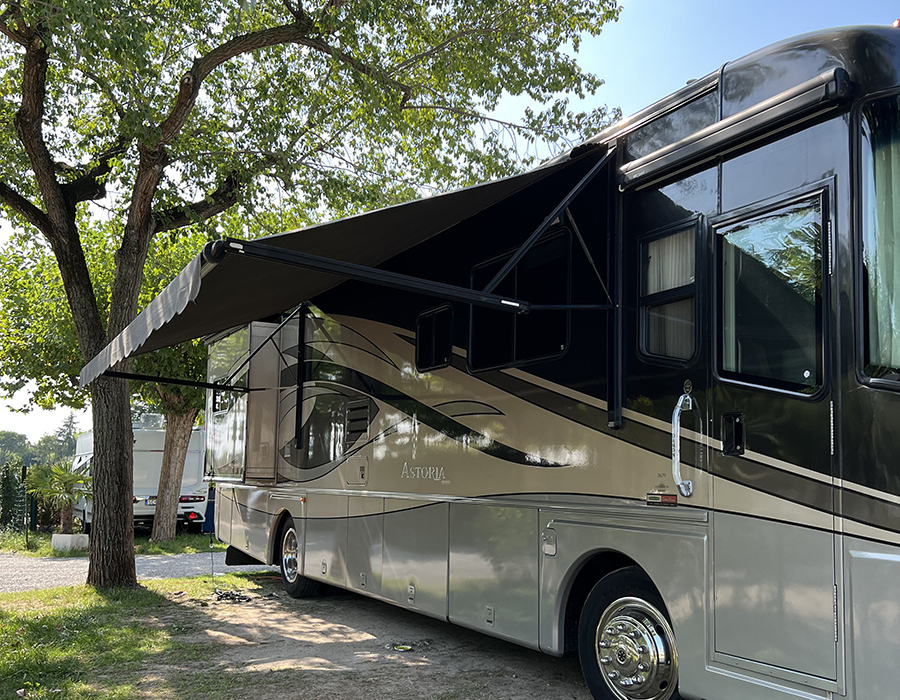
(548, 222)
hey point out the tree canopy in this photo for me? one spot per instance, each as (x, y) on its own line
(170, 114)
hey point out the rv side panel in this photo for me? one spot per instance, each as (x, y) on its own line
(494, 570)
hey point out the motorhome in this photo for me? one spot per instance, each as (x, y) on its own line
(149, 441)
(641, 403)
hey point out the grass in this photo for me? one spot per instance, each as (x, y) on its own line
(38, 544)
(186, 543)
(83, 643)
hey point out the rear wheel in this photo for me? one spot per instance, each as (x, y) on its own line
(625, 642)
(296, 585)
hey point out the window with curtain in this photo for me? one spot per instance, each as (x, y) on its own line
(881, 236)
(668, 295)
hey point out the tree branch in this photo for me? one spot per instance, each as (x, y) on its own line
(105, 88)
(447, 42)
(29, 128)
(32, 214)
(13, 11)
(300, 33)
(475, 115)
(222, 198)
(87, 186)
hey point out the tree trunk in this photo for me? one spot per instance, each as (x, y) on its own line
(178, 436)
(112, 523)
(66, 519)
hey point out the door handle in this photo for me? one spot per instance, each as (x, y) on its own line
(685, 488)
(734, 434)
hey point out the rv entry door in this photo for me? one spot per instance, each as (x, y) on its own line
(773, 545)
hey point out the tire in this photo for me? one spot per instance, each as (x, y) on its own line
(625, 641)
(297, 586)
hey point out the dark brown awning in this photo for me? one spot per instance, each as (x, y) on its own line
(207, 298)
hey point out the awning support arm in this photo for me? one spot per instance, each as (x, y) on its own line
(172, 380)
(263, 343)
(548, 222)
(572, 307)
(217, 250)
(587, 254)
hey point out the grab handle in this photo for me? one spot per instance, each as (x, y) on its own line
(686, 488)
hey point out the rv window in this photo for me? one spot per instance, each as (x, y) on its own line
(770, 293)
(668, 294)
(881, 237)
(434, 338)
(673, 126)
(500, 338)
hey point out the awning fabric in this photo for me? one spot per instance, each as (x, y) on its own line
(207, 298)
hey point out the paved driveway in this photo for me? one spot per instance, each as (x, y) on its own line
(20, 573)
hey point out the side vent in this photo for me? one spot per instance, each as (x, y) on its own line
(357, 425)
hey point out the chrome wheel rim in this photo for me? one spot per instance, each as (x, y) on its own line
(636, 651)
(289, 556)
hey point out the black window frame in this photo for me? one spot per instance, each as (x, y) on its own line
(548, 237)
(433, 313)
(691, 290)
(823, 192)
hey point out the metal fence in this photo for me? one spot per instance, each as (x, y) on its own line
(13, 498)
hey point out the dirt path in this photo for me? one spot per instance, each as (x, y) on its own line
(347, 647)
(21, 573)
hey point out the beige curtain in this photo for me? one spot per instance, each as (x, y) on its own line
(669, 264)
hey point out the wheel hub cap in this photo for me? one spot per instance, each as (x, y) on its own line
(636, 651)
(289, 556)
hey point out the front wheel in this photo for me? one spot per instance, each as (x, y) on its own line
(625, 642)
(296, 585)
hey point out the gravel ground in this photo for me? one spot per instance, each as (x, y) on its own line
(21, 573)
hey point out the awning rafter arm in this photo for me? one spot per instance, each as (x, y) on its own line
(271, 335)
(587, 254)
(217, 250)
(548, 221)
(572, 307)
(176, 382)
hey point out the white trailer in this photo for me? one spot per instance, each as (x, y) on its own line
(148, 452)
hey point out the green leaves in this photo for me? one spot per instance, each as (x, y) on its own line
(58, 485)
(355, 106)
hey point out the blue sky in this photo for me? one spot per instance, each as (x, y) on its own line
(658, 45)
(653, 50)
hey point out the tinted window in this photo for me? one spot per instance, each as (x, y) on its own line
(770, 291)
(672, 127)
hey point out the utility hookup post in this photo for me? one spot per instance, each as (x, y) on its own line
(26, 509)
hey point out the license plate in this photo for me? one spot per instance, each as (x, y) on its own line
(150, 502)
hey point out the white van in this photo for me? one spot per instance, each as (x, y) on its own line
(148, 452)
